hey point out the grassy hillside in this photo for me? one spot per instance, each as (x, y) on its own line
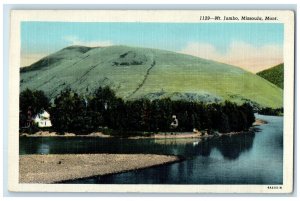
(274, 75)
(141, 72)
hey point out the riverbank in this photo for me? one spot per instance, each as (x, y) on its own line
(66, 134)
(160, 135)
(259, 122)
(61, 167)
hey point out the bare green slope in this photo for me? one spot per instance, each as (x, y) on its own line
(141, 72)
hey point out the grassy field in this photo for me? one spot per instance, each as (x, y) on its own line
(141, 72)
(274, 75)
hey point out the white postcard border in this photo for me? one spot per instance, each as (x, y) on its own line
(171, 16)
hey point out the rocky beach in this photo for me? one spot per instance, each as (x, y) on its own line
(61, 167)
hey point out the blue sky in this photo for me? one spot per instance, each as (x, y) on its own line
(42, 38)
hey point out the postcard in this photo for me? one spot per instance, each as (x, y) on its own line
(187, 101)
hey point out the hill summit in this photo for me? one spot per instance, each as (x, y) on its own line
(147, 73)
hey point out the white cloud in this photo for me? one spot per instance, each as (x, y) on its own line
(74, 40)
(244, 55)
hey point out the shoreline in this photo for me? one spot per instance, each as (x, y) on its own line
(160, 135)
(259, 122)
(56, 168)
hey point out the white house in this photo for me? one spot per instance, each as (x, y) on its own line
(42, 119)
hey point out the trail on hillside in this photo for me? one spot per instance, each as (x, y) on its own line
(144, 80)
(83, 77)
(46, 82)
(73, 64)
(80, 60)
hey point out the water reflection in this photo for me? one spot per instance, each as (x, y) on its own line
(230, 147)
(44, 149)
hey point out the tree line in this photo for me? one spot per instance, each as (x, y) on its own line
(271, 111)
(72, 112)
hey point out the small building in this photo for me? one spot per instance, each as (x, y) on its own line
(42, 119)
(174, 123)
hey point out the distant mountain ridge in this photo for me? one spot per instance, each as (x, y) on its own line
(147, 73)
(274, 75)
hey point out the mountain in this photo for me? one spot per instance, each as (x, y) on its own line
(274, 75)
(150, 73)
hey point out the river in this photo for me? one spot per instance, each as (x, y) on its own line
(240, 159)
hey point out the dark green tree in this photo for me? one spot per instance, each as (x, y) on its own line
(104, 102)
(223, 123)
(70, 114)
